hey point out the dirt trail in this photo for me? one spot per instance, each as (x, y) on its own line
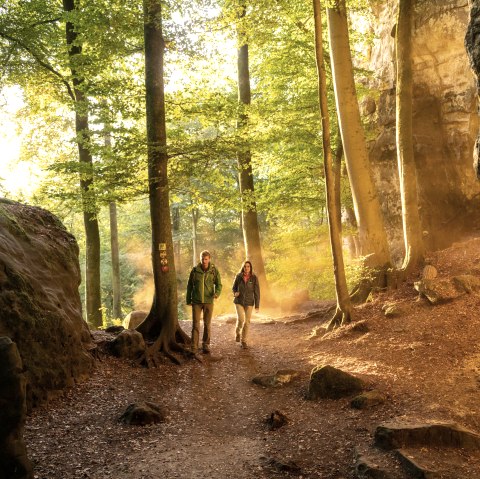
(427, 362)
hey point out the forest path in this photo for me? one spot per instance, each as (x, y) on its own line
(215, 425)
(426, 361)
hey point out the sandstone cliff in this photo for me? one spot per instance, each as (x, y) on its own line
(445, 119)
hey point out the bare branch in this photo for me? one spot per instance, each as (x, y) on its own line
(41, 62)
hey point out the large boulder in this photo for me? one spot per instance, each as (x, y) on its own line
(39, 299)
(13, 455)
(327, 382)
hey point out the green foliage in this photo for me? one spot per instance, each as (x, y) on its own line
(203, 140)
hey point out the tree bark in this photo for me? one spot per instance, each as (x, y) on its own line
(344, 308)
(412, 230)
(116, 283)
(371, 228)
(251, 229)
(195, 255)
(92, 234)
(161, 323)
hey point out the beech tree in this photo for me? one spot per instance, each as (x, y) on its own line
(161, 324)
(344, 308)
(412, 229)
(92, 234)
(371, 230)
(251, 229)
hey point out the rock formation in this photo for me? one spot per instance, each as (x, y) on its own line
(472, 45)
(444, 114)
(39, 299)
(13, 456)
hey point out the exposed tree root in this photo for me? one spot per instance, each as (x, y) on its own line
(340, 318)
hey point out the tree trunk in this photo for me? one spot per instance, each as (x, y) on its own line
(116, 284)
(251, 229)
(344, 307)
(412, 230)
(371, 228)
(92, 234)
(195, 254)
(162, 320)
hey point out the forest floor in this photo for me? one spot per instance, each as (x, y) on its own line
(426, 361)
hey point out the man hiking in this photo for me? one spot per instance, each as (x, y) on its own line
(204, 286)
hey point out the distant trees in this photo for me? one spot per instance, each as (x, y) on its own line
(243, 150)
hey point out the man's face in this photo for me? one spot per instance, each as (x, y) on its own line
(205, 262)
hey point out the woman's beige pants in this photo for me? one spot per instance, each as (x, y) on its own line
(244, 313)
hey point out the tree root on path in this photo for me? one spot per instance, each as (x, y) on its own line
(340, 318)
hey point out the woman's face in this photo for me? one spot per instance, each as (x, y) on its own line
(248, 268)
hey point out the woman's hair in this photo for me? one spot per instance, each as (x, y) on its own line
(242, 269)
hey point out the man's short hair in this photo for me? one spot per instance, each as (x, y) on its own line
(205, 253)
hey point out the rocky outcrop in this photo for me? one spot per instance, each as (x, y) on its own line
(39, 299)
(472, 45)
(444, 115)
(13, 455)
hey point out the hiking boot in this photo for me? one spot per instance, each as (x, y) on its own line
(206, 349)
(244, 345)
(237, 337)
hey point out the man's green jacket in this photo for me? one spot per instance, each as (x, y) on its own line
(203, 286)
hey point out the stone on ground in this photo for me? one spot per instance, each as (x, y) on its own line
(280, 378)
(437, 290)
(396, 435)
(365, 468)
(39, 300)
(14, 463)
(368, 399)
(281, 465)
(466, 283)
(327, 382)
(129, 344)
(276, 420)
(142, 414)
(391, 310)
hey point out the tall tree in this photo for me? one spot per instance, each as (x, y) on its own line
(92, 235)
(412, 229)
(116, 283)
(251, 229)
(332, 184)
(161, 323)
(371, 228)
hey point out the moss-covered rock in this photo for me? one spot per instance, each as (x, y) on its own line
(39, 299)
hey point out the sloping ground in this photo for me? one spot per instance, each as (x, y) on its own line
(426, 360)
